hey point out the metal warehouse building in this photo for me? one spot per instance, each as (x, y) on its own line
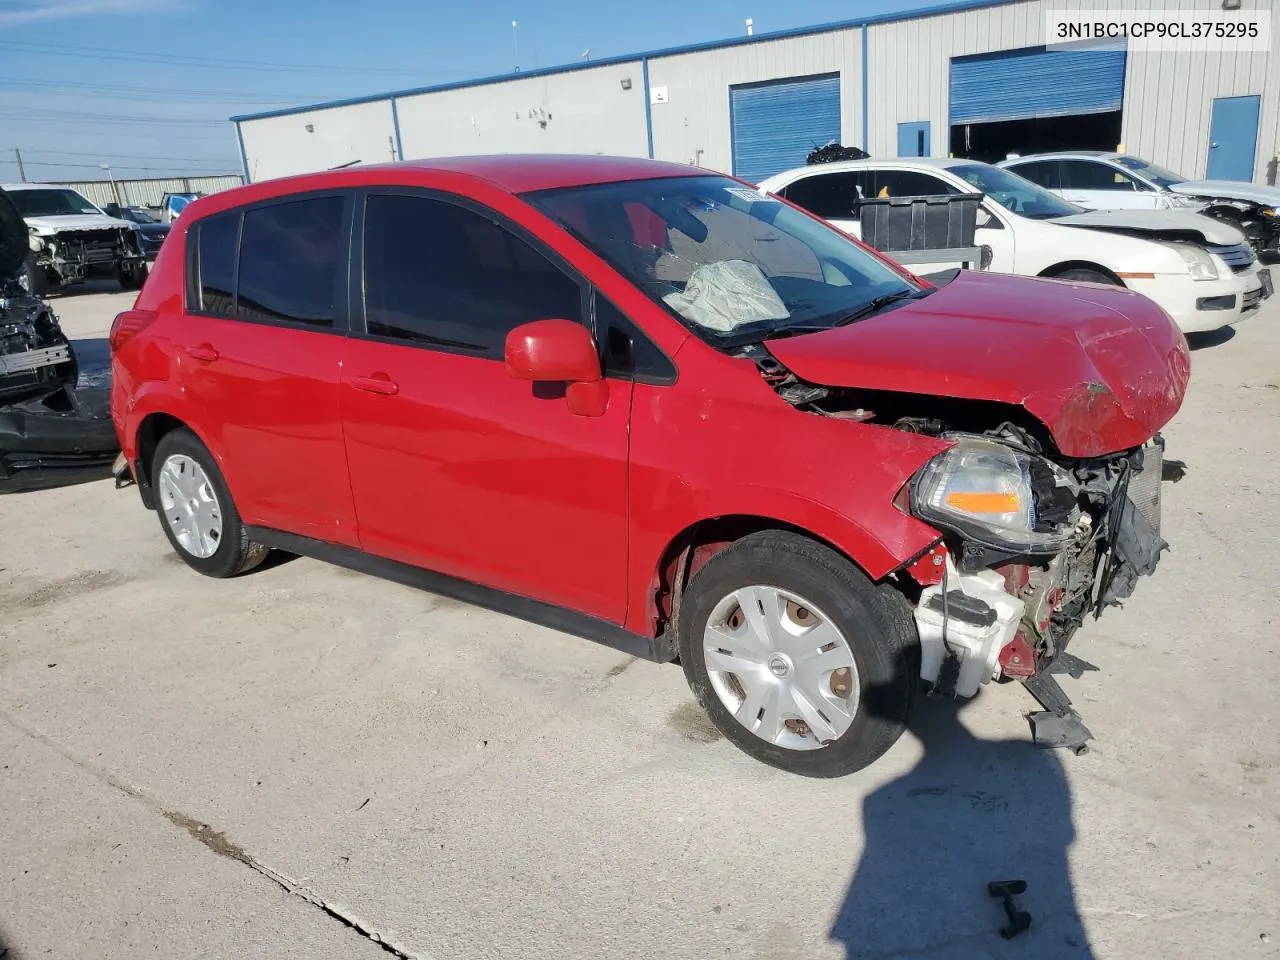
(971, 79)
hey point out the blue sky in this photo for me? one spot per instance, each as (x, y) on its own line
(148, 85)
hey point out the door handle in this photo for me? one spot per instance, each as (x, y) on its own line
(379, 383)
(203, 352)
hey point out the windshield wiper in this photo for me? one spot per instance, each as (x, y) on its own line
(876, 304)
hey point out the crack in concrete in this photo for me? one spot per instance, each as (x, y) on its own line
(218, 843)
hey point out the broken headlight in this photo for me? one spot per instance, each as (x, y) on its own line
(998, 496)
(1199, 263)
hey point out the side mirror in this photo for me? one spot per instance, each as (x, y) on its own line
(559, 351)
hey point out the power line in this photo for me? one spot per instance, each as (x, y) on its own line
(104, 155)
(171, 59)
(115, 90)
(115, 117)
(216, 168)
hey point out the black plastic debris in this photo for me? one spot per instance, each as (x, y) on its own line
(1005, 891)
(56, 439)
(831, 152)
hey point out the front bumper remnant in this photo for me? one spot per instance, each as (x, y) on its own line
(57, 439)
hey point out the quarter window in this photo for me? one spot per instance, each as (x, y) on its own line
(218, 238)
(291, 260)
(441, 274)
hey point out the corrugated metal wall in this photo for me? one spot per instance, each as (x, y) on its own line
(586, 111)
(148, 193)
(693, 125)
(1167, 104)
(1169, 96)
(910, 62)
(280, 146)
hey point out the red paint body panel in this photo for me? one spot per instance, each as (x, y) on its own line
(447, 461)
(1102, 368)
(469, 472)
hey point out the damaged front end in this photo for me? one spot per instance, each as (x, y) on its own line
(72, 256)
(50, 433)
(1032, 541)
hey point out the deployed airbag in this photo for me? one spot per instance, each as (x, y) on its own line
(726, 295)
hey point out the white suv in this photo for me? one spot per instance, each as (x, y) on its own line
(1200, 270)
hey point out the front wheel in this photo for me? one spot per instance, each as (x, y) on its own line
(1085, 275)
(797, 657)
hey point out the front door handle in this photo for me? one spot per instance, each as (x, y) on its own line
(379, 383)
(203, 352)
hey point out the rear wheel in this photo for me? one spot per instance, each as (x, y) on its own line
(797, 657)
(196, 510)
(37, 280)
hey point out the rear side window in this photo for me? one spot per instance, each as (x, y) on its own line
(1043, 172)
(219, 237)
(292, 257)
(829, 195)
(444, 275)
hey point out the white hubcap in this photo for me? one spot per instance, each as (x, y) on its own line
(190, 506)
(781, 667)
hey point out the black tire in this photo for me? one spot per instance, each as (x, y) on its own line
(15, 240)
(235, 553)
(129, 280)
(875, 620)
(1084, 275)
(38, 284)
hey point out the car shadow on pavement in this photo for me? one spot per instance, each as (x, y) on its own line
(1210, 338)
(969, 813)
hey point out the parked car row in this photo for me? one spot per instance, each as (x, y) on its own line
(1097, 180)
(671, 412)
(1199, 269)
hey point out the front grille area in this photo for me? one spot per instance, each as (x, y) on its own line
(1237, 256)
(89, 246)
(1251, 300)
(1144, 484)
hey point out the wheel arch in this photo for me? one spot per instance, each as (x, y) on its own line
(151, 429)
(700, 540)
(1061, 267)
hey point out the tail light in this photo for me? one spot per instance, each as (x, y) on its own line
(127, 325)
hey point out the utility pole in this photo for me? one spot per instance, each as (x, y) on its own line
(22, 171)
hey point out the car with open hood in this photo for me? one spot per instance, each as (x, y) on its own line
(71, 240)
(1199, 269)
(1098, 180)
(654, 406)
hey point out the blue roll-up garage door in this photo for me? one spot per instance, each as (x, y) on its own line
(1022, 84)
(775, 125)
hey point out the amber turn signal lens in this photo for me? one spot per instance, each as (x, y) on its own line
(984, 502)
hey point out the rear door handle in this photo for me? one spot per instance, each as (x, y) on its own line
(203, 352)
(379, 383)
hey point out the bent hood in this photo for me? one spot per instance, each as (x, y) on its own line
(1102, 368)
(1158, 225)
(1232, 189)
(76, 221)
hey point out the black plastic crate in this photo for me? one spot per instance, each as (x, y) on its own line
(943, 222)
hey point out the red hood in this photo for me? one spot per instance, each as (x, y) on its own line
(1103, 368)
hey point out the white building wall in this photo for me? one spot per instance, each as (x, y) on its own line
(910, 62)
(281, 146)
(1169, 97)
(582, 111)
(693, 126)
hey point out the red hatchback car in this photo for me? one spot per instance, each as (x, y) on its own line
(649, 405)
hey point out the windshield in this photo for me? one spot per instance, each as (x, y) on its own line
(1157, 175)
(1014, 193)
(733, 264)
(51, 203)
(137, 216)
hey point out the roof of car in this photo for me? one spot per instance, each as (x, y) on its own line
(10, 187)
(872, 163)
(1068, 155)
(545, 171)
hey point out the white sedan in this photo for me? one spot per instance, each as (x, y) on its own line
(1200, 270)
(1120, 181)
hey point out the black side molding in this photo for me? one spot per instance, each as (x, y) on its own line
(659, 650)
